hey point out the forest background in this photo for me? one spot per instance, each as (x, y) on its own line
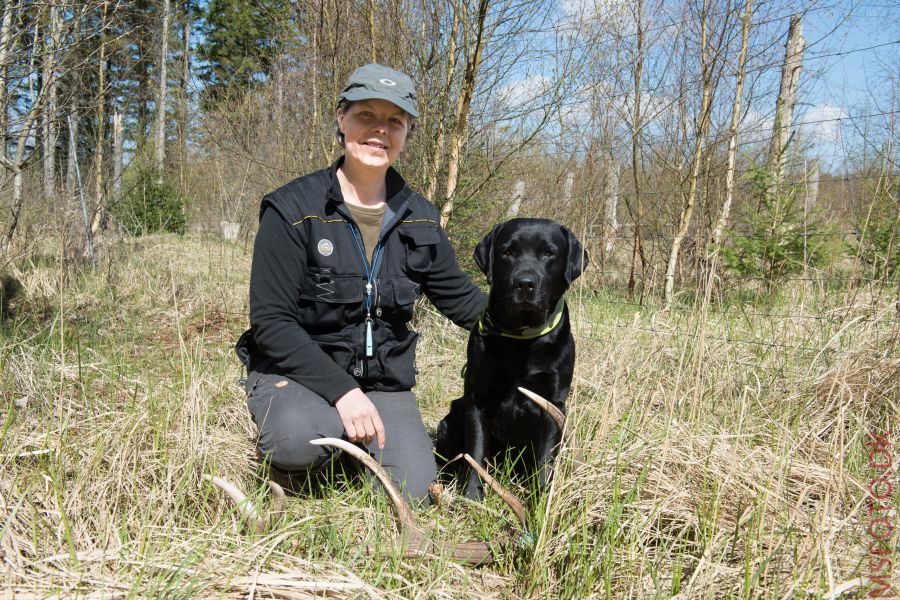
(658, 131)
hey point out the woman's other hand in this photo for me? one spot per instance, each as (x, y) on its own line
(360, 417)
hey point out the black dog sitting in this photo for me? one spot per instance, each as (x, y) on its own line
(523, 339)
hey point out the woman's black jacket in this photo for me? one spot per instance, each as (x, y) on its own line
(308, 287)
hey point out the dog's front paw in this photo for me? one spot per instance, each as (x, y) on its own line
(474, 489)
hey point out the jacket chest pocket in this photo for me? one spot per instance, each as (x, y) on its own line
(420, 241)
(321, 285)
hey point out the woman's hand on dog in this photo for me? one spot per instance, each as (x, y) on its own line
(360, 418)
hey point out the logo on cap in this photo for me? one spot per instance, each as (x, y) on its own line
(325, 247)
(386, 81)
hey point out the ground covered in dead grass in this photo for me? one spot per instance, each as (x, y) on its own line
(714, 453)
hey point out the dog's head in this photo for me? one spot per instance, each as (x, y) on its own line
(529, 263)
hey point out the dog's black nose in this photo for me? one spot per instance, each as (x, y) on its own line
(525, 283)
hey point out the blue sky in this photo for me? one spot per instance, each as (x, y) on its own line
(853, 52)
(858, 26)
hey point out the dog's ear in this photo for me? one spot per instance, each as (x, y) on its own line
(577, 259)
(484, 252)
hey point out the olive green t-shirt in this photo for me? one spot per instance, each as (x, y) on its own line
(369, 222)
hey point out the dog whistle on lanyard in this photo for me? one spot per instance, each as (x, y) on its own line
(369, 349)
(371, 271)
(369, 352)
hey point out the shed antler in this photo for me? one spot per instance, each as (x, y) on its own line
(514, 504)
(246, 508)
(557, 415)
(413, 541)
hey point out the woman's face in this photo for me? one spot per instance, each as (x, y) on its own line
(374, 132)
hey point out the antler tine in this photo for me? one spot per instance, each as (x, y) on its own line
(408, 528)
(279, 499)
(557, 415)
(501, 491)
(248, 512)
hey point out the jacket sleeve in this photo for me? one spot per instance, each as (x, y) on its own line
(450, 289)
(279, 263)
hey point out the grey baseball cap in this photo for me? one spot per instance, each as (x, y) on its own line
(382, 83)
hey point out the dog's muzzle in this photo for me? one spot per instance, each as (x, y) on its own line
(528, 295)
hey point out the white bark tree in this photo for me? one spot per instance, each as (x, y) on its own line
(710, 56)
(611, 223)
(17, 126)
(475, 37)
(437, 152)
(118, 152)
(722, 221)
(159, 138)
(49, 125)
(787, 97)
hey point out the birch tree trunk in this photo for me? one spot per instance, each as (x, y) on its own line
(733, 130)
(183, 97)
(5, 43)
(707, 61)
(71, 182)
(373, 34)
(458, 137)
(160, 135)
(19, 136)
(518, 196)
(637, 252)
(611, 223)
(813, 172)
(118, 151)
(99, 185)
(787, 97)
(568, 192)
(887, 174)
(48, 115)
(88, 236)
(15, 165)
(335, 27)
(437, 152)
(314, 82)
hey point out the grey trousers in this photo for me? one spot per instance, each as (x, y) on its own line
(289, 415)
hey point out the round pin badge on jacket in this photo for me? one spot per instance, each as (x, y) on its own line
(325, 247)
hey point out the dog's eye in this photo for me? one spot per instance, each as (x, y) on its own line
(507, 253)
(549, 253)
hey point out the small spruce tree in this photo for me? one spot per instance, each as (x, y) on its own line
(773, 242)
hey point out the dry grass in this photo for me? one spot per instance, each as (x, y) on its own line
(702, 466)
